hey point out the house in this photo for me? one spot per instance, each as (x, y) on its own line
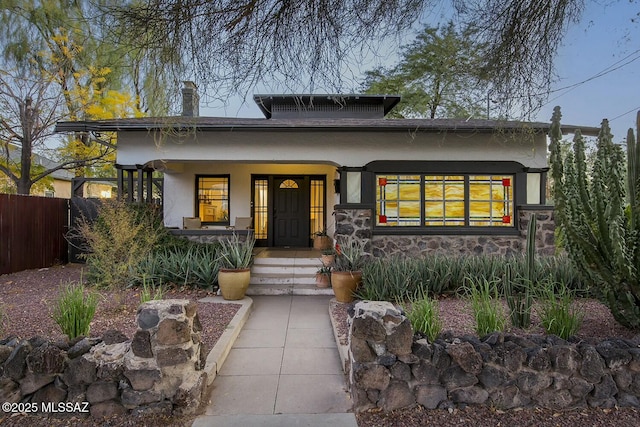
(335, 162)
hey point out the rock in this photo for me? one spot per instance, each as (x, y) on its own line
(430, 396)
(538, 359)
(554, 399)
(368, 329)
(579, 387)
(605, 403)
(189, 395)
(455, 377)
(142, 380)
(46, 359)
(34, 382)
(508, 397)
(440, 359)
(102, 391)
(400, 371)
(52, 393)
(565, 359)
(493, 376)
(80, 371)
(173, 332)
(465, 355)
(400, 339)
(141, 344)
(628, 400)
(510, 356)
(469, 395)
(396, 396)
(614, 356)
(372, 377)
(422, 349)
(37, 341)
(113, 336)
(605, 389)
(172, 356)
(532, 383)
(107, 409)
(387, 359)
(162, 409)
(16, 364)
(360, 350)
(425, 373)
(131, 398)
(9, 390)
(82, 347)
(592, 368)
(147, 317)
(5, 351)
(197, 326)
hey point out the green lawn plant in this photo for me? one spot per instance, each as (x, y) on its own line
(598, 212)
(236, 253)
(74, 310)
(424, 315)
(151, 292)
(486, 305)
(518, 290)
(559, 314)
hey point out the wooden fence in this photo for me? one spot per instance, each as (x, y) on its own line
(32, 232)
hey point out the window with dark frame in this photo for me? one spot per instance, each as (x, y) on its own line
(212, 202)
(460, 200)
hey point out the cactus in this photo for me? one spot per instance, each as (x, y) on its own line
(599, 216)
(518, 290)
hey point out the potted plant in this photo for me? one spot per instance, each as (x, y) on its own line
(328, 256)
(323, 277)
(235, 257)
(321, 240)
(346, 273)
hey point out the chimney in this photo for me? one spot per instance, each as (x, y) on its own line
(190, 100)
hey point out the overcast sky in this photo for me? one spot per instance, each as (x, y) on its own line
(598, 70)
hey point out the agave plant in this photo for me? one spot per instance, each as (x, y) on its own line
(236, 254)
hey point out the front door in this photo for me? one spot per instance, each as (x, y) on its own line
(291, 212)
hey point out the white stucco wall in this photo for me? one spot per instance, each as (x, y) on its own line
(338, 147)
(181, 186)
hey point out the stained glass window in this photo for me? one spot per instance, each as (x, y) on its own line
(444, 200)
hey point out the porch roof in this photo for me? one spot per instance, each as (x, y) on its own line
(308, 124)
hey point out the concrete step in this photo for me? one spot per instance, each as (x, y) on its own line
(285, 289)
(282, 279)
(292, 270)
(287, 261)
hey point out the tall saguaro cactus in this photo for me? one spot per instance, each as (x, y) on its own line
(599, 214)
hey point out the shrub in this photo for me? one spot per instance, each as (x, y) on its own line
(74, 310)
(517, 290)
(150, 292)
(121, 236)
(558, 314)
(486, 306)
(424, 315)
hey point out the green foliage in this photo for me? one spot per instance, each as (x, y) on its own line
(118, 240)
(150, 292)
(485, 303)
(351, 255)
(424, 315)
(235, 253)
(559, 315)
(518, 290)
(438, 76)
(74, 310)
(598, 211)
(190, 264)
(390, 279)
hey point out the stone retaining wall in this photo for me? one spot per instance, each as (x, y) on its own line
(359, 224)
(159, 371)
(390, 369)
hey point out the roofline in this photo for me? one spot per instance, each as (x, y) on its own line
(393, 125)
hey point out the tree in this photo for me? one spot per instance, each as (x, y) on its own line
(226, 44)
(598, 212)
(437, 76)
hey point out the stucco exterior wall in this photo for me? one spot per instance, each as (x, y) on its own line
(341, 148)
(180, 190)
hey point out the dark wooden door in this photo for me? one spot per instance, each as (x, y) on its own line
(291, 212)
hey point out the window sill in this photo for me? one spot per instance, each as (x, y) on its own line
(451, 231)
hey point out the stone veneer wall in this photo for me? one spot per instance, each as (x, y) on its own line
(359, 223)
(390, 369)
(159, 371)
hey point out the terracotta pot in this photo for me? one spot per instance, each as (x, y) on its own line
(345, 283)
(322, 280)
(327, 260)
(234, 283)
(322, 242)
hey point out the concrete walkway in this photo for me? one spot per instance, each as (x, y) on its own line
(283, 370)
